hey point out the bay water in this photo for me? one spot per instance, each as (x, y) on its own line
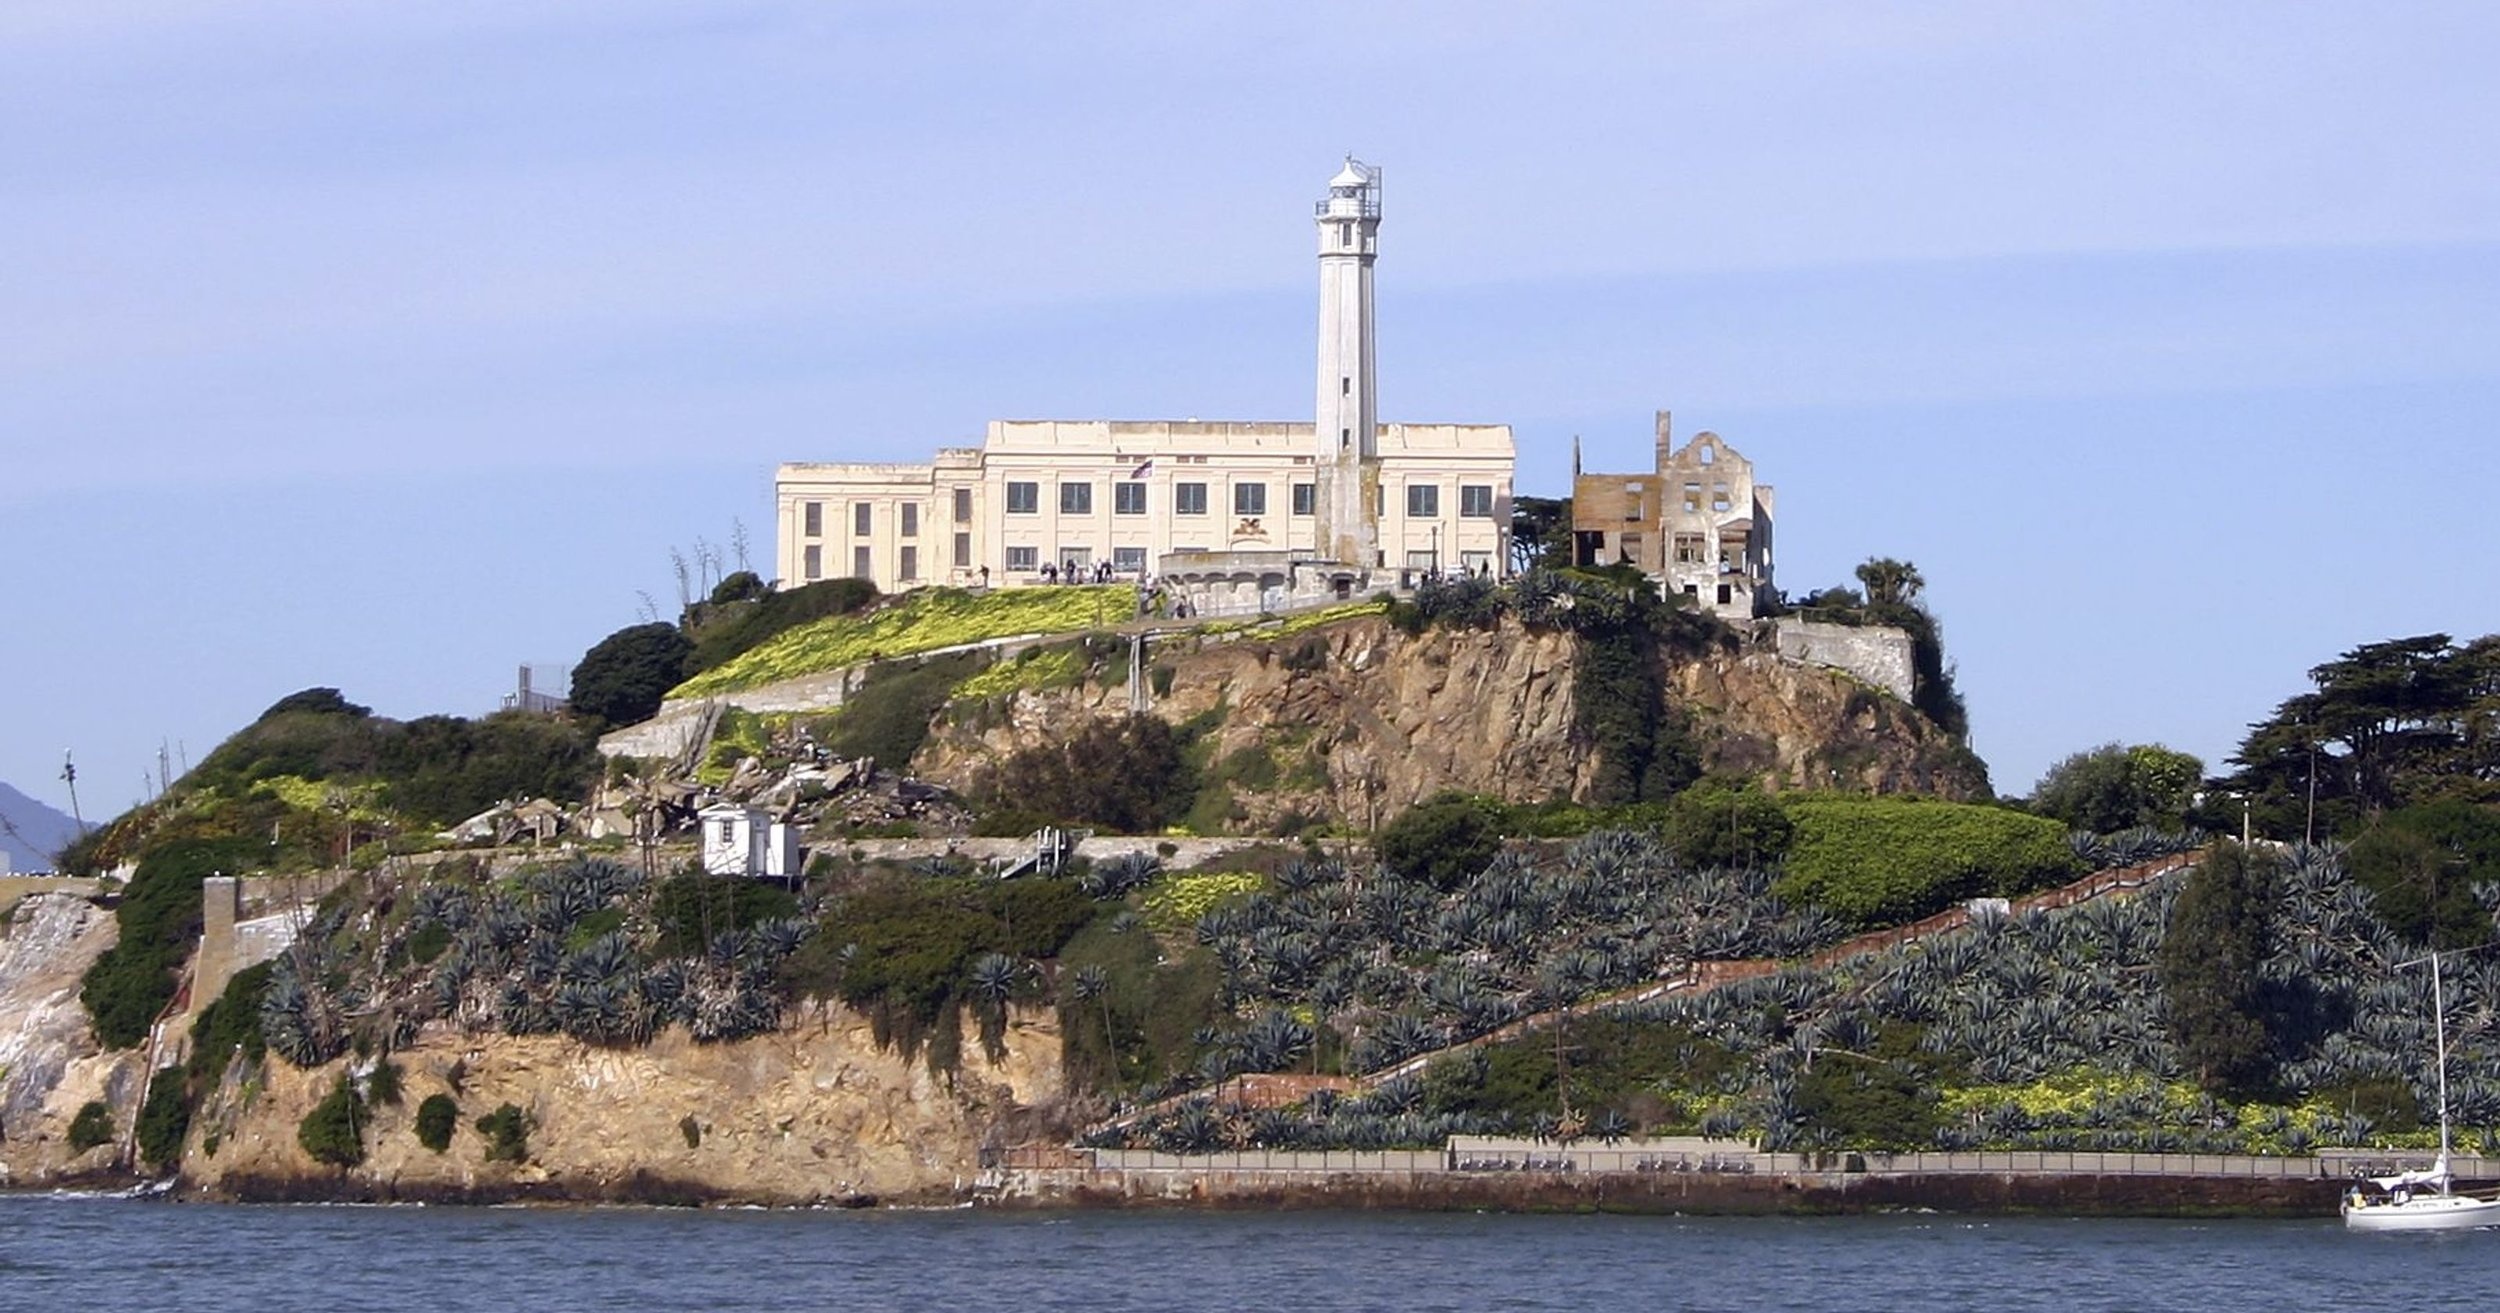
(78, 1253)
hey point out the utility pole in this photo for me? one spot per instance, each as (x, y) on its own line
(69, 776)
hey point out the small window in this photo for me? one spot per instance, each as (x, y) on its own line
(963, 551)
(861, 568)
(861, 516)
(1024, 559)
(815, 562)
(1423, 500)
(1304, 497)
(1189, 499)
(815, 515)
(1250, 499)
(1419, 560)
(1345, 386)
(1128, 498)
(1345, 438)
(1345, 234)
(1475, 501)
(1129, 560)
(1726, 595)
(1709, 454)
(911, 521)
(1719, 499)
(1076, 499)
(1024, 498)
(1692, 496)
(910, 563)
(963, 506)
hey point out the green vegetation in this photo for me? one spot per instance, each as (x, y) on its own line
(1127, 776)
(737, 620)
(2400, 723)
(1175, 902)
(1041, 667)
(164, 1119)
(334, 1131)
(907, 948)
(2427, 868)
(2214, 945)
(2116, 787)
(1722, 822)
(159, 919)
(507, 1132)
(888, 718)
(437, 1117)
(693, 911)
(1880, 861)
(622, 679)
(92, 1126)
(692, 1130)
(919, 622)
(1891, 598)
(1442, 840)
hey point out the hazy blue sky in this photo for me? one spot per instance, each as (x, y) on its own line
(389, 345)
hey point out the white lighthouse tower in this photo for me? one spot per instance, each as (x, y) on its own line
(1347, 451)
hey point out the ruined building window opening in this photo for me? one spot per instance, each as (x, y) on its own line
(1692, 496)
(1709, 454)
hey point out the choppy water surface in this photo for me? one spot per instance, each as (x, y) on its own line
(100, 1254)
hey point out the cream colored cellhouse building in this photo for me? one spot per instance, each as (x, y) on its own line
(1273, 511)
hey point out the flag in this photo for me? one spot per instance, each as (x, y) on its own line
(1142, 468)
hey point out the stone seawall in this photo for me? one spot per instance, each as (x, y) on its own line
(1824, 1192)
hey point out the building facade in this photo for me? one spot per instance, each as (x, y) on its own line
(1697, 521)
(1379, 503)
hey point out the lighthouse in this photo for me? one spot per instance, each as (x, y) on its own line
(1346, 452)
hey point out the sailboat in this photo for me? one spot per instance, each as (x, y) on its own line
(2421, 1201)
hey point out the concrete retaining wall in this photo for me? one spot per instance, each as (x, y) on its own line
(1874, 654)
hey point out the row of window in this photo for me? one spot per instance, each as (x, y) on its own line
(1423, 501)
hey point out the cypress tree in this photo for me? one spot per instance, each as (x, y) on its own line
(2208, 968)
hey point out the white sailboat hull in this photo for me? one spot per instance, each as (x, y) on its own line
(2430, 1212)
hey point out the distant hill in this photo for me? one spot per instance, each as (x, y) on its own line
(39, 831)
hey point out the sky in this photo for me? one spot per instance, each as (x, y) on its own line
(388, 346)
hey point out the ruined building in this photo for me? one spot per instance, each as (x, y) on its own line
(1698, 522)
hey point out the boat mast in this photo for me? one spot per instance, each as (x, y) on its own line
(2439, 1027)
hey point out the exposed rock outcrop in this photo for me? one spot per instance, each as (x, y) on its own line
(813, 1112)
(1360, 720)
(50, 1063)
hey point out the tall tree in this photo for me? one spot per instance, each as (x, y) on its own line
(1540, 533)
(2385, 725)
(2117, 787)
(623, 677)
(2208, 969)
(1889, 582)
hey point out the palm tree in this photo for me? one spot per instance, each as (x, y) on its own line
(1889, 582)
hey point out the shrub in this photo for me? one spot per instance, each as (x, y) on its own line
(507, 1131)
(693, 1131)
(437, 1117)
(382, 1087)
(444, 769)
(888, 718)
(731, 625)
(164, 1119)
(1175, 902)
(334, 1131)
(228, 1026)
(1721, 822)
(1128, 776)
(1882, 861)
(1444, 839)
(922, 621)
(92, 1126)
(696, 908)
(2114, 787)
(159, 917)
(912, 944)
(624, 677)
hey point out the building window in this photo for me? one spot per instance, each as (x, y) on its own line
(1423, 500)
(1178, 550)
(860, 567)
(911, 521)
(1128, 499)
(1023, 559)
(1189, 499)
(1076, 499)
(1692, 497)
(1477, 562)
(1024, 498)
(1305, 496)
(1688, 549)
(860, 513)
(1249, 499)
(1475, 501)
(815, 514)
(1076, 558)
(1419, 560)
(963, 551)
(963, 506)
(1345, 387)
(1719, 500)
(815, 566)
(911, 564)
(1129, 560)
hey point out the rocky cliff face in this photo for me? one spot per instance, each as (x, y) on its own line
(50, 1064)
(811, 1113)
(1357, 721)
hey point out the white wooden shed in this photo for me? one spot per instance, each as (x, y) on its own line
(748, 841)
